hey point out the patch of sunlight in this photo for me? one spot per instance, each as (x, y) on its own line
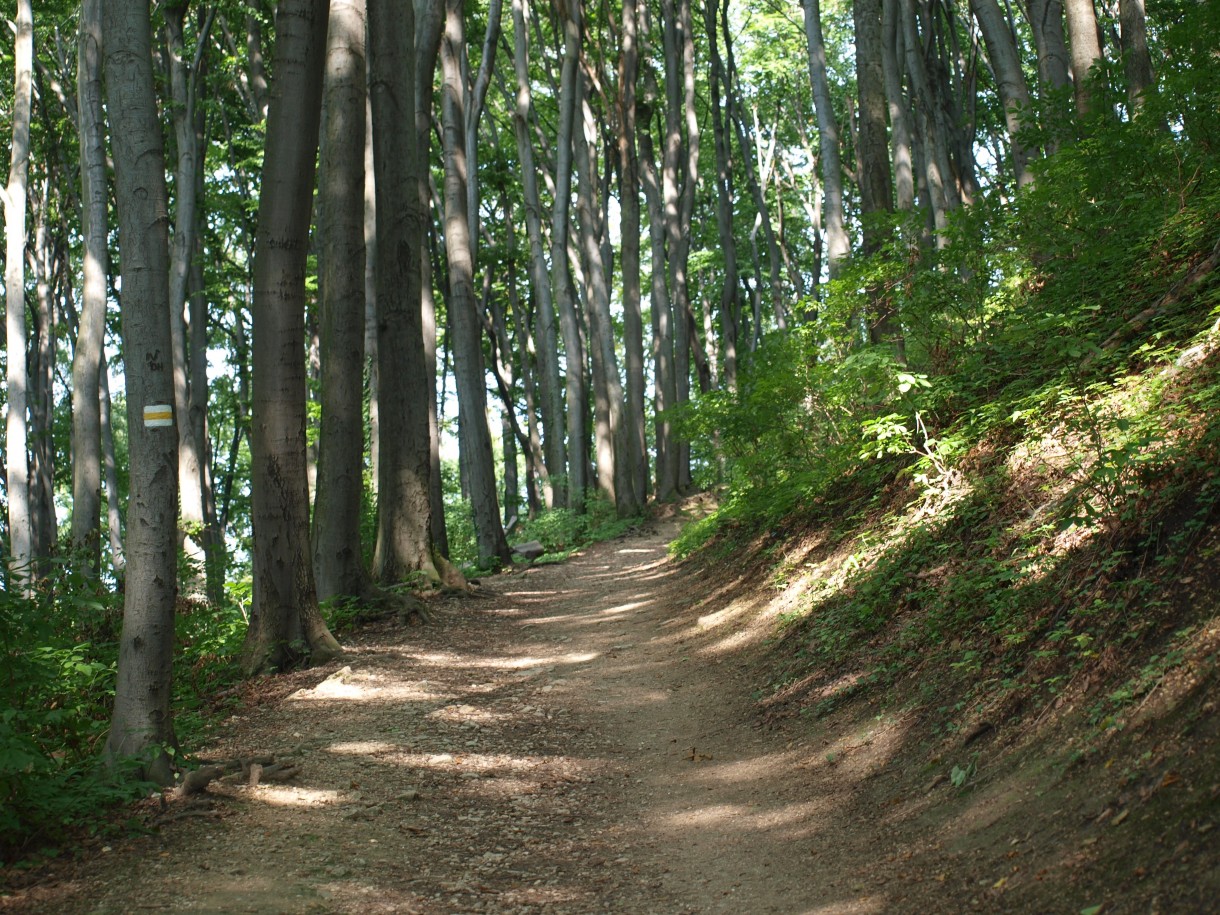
(865, 905)
(868, 750)
(636, 550)
(467, 762)
(346, 686)
(460, 714)
(796, 820)
(362, 747)
(291, 796)
(626, 608)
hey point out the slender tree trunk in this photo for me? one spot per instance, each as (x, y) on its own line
(1137, 63)
(114, 516)
(900, 128)
(629, 205)
(613, 461)
(467, 328)
(729, 304)
(338, 560)
(561, 277)
(87, 363)
(837, 245)
(1086, 49)
(933, 142)
(183, 86)
(16, 452)
(142, 725)
(43, 528)
(286, 627)
(1014, 94)
(546, 331)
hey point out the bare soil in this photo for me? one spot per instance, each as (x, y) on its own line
(586, 737)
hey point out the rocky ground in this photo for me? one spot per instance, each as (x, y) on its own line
(583, 738)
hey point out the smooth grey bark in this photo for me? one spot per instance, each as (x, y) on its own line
(183, 81)
(1137, 63)
(729, 304)
(1010, 80)
(933, 141)
(1046, 27)
(142, 724)
(87, 364)
(664, 385)
(42, 261)
(629, 208)
(475, 103)
(468, 364)
(1085, 48)
(837, 244)
(16, 452)
(546, 332)
(429, 25)
(613, 460)
(286, 627)
(562, 287)
(338, 560)
(404, 518)
(114, 515)
(900, 127)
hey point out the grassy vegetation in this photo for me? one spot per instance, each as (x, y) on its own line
(1027, 501)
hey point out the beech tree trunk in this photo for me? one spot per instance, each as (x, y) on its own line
(1137, 64)
(142, 725)
(338, 560)
(463, 314)
(900, 128)
(1086, 49)
(561, 277)
(1046, 26)
(629, 204)
(546, 333)
(1014, 94)
(404, 518)
(837, 245)
(286, 627)
(87, 362)
(16, 452)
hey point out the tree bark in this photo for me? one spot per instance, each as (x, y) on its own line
(87, 362)
(561, 276)
(404, 519)
(1086, 50)
(286, 627)
(1137, 63)
(1046, 26)
(629, 206)
(899, 111)
(546, 333)
(16, 453)
(142, 725)
(467, 328)
(1010, 80)
(338, 560)
(837, 245)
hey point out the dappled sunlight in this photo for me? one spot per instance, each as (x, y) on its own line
(626, 608)
(864, 905)
(795, 820)
(292, 796)
(363, 686)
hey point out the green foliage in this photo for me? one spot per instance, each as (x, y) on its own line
(563, 531)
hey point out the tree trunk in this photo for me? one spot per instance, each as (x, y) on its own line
(1086, 49)
(16, 452)
(546, 332)
(1046, 26)
(629, 206)
(837, 244)
(933, 142)
(1137, 63)
(286, 627)
(613, 461)
(1010, 80)
(338, 560)
(142, 725)
(561, 277)
(43, 528)
(467, 328)
(87, 362)
(900, 128)
(729, 304)
(404, 518)
(183, 86)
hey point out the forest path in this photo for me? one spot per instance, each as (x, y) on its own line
(569, 744)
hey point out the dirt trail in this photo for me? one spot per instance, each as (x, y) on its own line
(564, 745)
